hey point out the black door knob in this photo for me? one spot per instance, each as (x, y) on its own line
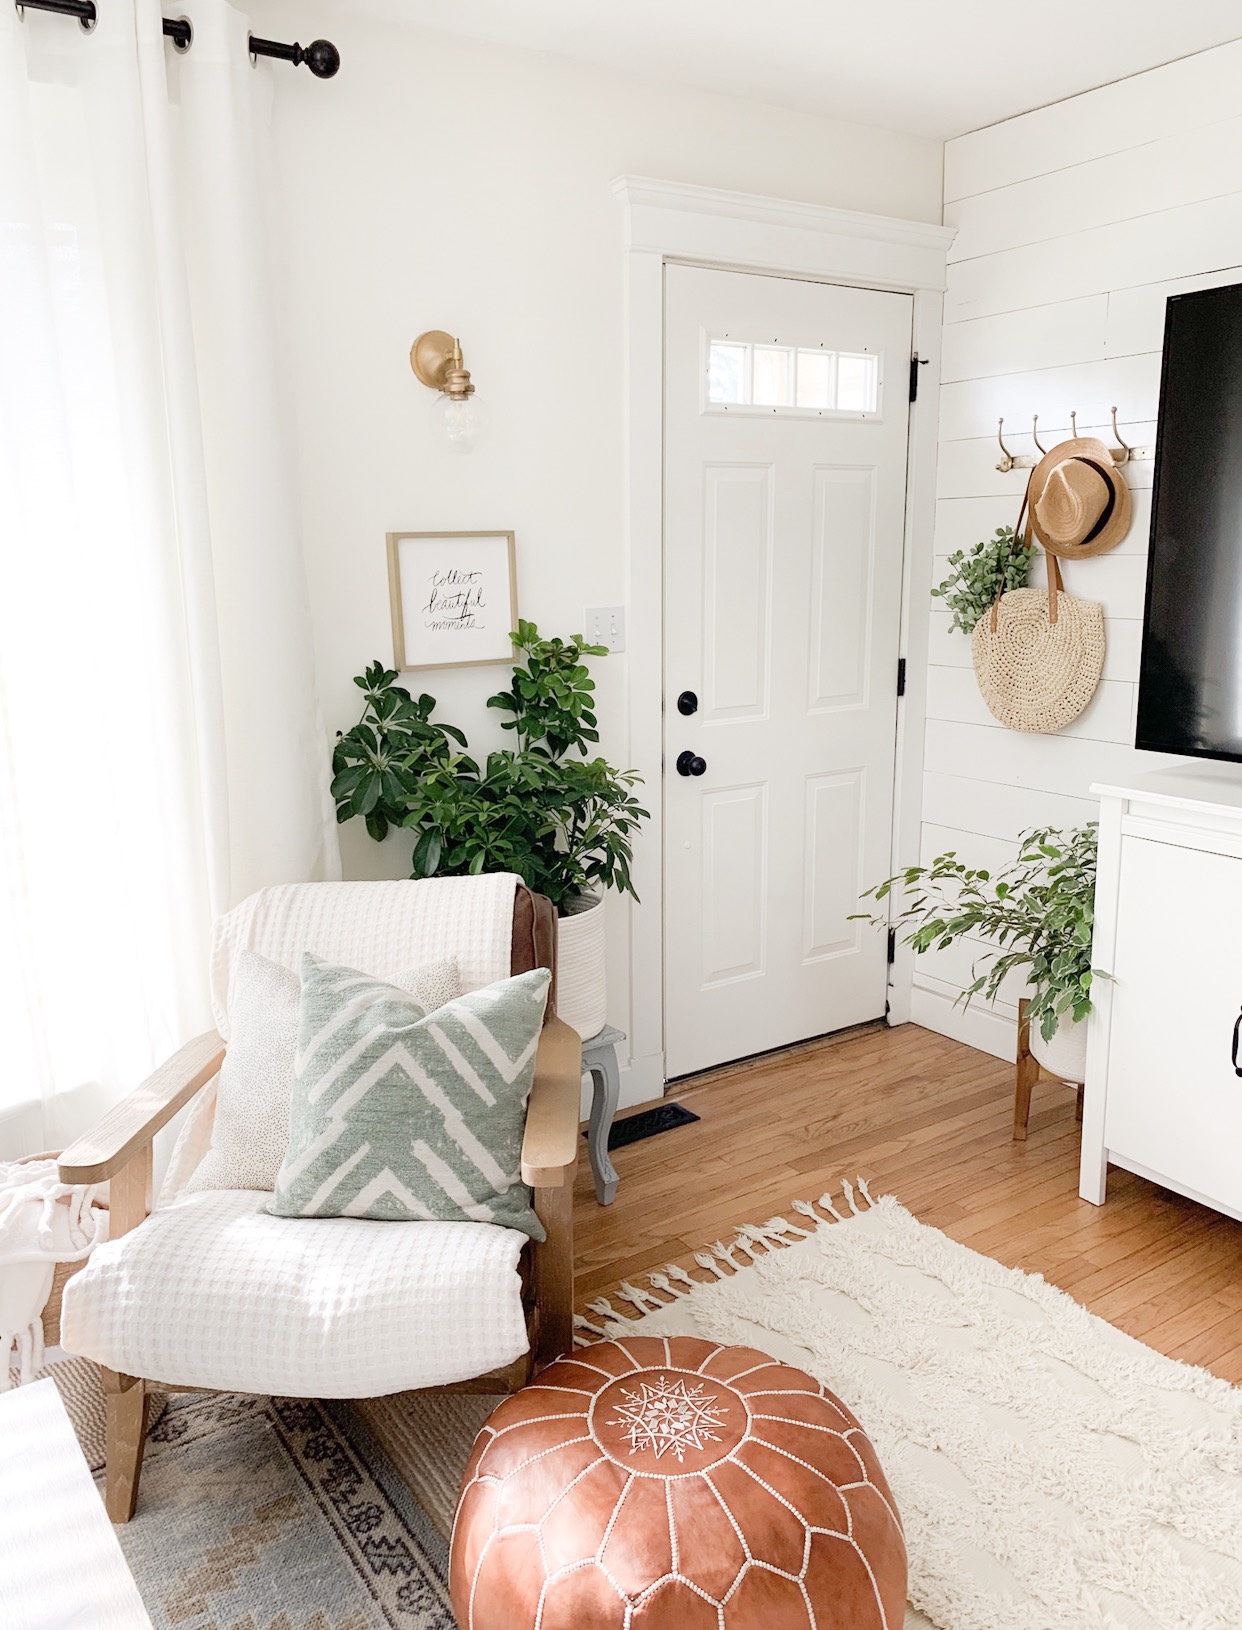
(687, 702)
(689, 763)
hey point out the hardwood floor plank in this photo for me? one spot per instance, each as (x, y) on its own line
(928, 1120)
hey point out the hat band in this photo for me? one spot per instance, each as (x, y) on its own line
(1106, 513)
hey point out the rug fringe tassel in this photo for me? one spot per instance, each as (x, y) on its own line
(751, 1240)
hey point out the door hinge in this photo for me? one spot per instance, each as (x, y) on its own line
(892, 946)
(901, 676)
(916, 362)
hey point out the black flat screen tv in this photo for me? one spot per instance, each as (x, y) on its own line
(1190, 681)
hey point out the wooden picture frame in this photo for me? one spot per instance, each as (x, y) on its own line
(450, 594)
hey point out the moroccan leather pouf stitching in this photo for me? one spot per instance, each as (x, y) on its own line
(674, 1484)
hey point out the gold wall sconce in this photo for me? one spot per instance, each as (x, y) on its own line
(437, 363)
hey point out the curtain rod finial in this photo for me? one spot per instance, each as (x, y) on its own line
(322, 58)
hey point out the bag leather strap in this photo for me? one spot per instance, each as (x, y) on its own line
(1056, 585)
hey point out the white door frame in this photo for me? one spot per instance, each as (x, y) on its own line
(667, 220)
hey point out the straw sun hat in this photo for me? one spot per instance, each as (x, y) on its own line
(1079, 500)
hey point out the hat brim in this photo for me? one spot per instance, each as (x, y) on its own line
(1118, 523)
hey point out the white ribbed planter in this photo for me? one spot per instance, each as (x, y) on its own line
(582, 995)
(1065, 1056)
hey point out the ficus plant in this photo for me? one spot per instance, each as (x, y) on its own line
(561, 819)
(1037, 913)
(998, 564)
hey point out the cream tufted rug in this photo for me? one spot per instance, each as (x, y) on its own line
(1052, 1473)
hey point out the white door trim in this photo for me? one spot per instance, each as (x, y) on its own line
(667, 220)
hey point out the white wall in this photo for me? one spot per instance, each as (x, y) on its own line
(1074, 223)
(439, 183)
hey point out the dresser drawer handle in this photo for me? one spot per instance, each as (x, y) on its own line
(1237, 1026)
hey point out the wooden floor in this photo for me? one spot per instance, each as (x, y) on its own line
(930, 1121)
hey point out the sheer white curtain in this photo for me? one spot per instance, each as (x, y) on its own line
(161, 753)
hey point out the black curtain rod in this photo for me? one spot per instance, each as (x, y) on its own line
(320, 56)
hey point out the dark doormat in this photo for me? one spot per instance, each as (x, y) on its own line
(647, 1123)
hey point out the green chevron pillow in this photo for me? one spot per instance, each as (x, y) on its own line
(404, 1115)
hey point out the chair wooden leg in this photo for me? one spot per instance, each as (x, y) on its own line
(125, 1398)
(1026, 1075)
(554, 1272)
(1078, 1104)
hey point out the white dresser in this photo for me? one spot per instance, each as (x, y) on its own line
(1164, 1056)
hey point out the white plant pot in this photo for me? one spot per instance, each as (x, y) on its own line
(582, 993)
(1065, 1056)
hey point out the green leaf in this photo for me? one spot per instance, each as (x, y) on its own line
(427, 854)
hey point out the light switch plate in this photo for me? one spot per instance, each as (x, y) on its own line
(605, 625)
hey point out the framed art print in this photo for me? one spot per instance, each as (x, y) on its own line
(454, 598)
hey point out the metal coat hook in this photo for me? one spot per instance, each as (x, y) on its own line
(1123, 452)
(1073, 424)
(1007, 461)
(1035, 433)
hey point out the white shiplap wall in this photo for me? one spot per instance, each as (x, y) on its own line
(1074, 223)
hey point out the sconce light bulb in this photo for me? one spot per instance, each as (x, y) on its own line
(462, 419)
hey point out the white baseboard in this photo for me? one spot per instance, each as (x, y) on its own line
(642, 1080)
(977, 1026)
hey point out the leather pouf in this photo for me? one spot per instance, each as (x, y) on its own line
(676, 1485)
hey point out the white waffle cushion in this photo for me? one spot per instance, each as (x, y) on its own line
(212, 1293)
(383, 927)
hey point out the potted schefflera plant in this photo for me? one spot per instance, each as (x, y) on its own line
(563, 820)
(1036, 915)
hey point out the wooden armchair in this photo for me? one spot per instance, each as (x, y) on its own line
(119, 1149)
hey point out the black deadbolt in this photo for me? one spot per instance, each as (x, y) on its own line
(689, 763)
(687, 702)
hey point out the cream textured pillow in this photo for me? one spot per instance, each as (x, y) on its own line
(255, 1087)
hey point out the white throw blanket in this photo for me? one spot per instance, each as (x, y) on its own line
(382, 928)
(42, 1222)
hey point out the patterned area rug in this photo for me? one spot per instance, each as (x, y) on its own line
(1052, 1473)
(279, 1514)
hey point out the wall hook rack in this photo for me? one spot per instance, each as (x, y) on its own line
(1121, 450)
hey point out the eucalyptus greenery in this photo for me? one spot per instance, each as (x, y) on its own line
(561, 820)
(1038, 912)
(1002, 562)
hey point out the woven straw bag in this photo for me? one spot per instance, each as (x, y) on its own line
(1039, 655)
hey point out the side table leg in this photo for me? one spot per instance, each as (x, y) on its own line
(606, 1089)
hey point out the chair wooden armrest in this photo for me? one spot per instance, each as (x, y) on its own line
(550, 1146)
(549, 1156)
(131, 1124)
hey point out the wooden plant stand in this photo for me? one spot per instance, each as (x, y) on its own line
(1028, 1072)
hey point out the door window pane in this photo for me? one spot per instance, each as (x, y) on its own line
(858, 380)
(773, 370)
(726, 372)
(815, 379)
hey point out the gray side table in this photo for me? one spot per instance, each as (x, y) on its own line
(599, 1060)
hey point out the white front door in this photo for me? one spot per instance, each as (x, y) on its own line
(786, 415)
